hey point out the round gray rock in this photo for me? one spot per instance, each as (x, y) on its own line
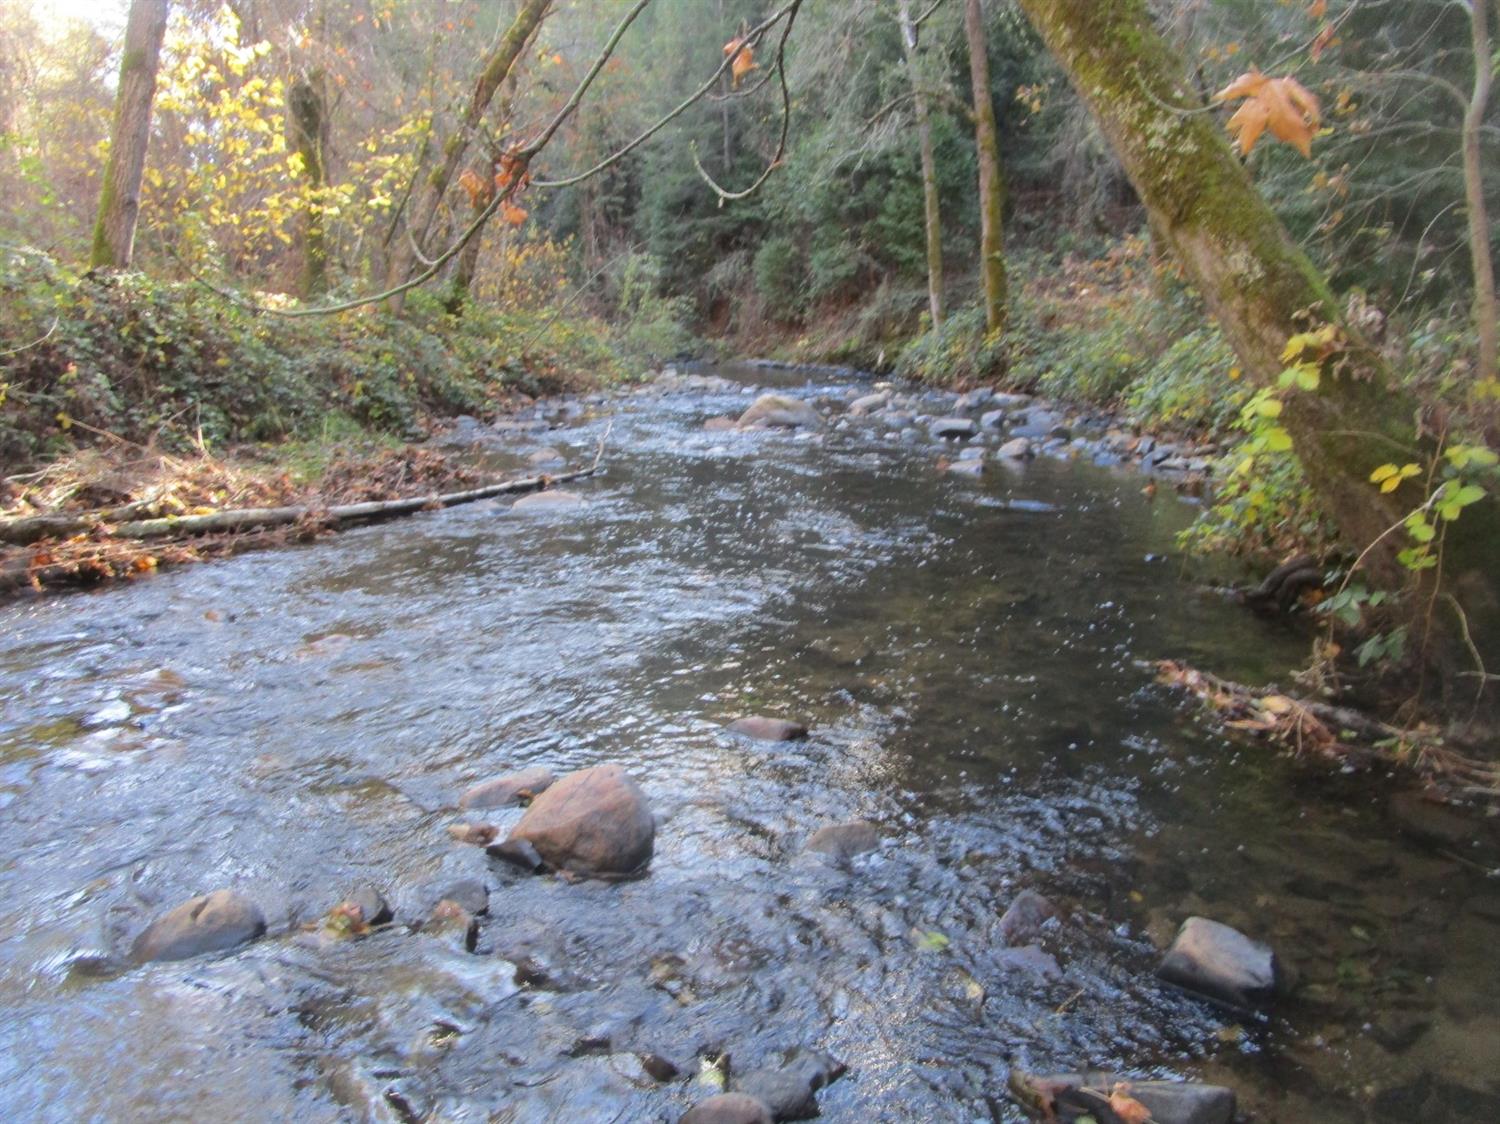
(1222, 964)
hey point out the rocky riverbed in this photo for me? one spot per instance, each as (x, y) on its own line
(804, 761)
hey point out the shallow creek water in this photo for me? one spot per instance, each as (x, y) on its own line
(297, 722)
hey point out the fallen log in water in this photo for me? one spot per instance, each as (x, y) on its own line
(1310, 726)
(254, 518)
(89, 547)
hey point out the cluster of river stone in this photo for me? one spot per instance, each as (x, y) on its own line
(980, 425)
(597, 823)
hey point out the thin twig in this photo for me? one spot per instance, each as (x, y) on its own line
(786, 123)
(41, 339)
(682, 107)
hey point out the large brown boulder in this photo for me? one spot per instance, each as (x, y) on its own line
(208, 923)
(591, 822)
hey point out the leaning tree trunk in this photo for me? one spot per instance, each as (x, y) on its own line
(1486, 308)
(120, 195)
(1262, 289)
(307, 128)
(497, 66)
(933, 223)
(991, 181)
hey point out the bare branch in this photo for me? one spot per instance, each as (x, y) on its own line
(786, 122)
(697, 95)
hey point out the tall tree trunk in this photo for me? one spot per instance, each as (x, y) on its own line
(991, 179)
(1486, 310)
(1262, 288)
(307, 128)
(933, 222)
(497, 66)
(120, 195)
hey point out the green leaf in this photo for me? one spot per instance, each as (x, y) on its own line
(1278, 440)
(932, 941)
(1267, 407)
(1421, 530)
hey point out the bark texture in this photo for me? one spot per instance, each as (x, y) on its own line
(1486, 309)
(932, 222)
(1262, 289)
(120, 196)
(991, 176)
(496, 68)
(307, 128)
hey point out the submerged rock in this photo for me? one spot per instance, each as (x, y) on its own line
(728, 1108)
(768, 729)
(1031, 960)
(595, 821)
(469, 893)
(372, 906)
(780, 412)
(1222, 964)
(510, 788)
(545, 457)
(790, 1091)
(844, 840)
(1022, 921)
(452, 923)
(547, 501)
(208, 923)
(1169, 1102)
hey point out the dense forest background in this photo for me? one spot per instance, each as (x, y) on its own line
(305, 155)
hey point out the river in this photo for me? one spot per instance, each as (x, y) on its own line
(294, 723)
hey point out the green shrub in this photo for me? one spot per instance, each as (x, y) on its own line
(164, 362)
(959, 349)
(1192, 385)
(779, 277)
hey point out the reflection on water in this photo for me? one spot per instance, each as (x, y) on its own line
(297, 722)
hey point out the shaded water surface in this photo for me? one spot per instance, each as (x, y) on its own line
(298, 722)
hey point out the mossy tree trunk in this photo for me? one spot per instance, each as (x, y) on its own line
(1486, 308)
(932, 216)
(307, 128)
(991, 177)
(120, 194)
(495, 69)
(1262, 289)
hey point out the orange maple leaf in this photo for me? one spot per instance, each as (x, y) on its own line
(512, 214)
(1126, 1107)
(744, 59)
(475, 187)
(1282, 105)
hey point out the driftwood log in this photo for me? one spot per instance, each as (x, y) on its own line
(37, 527)
(1339, 733)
